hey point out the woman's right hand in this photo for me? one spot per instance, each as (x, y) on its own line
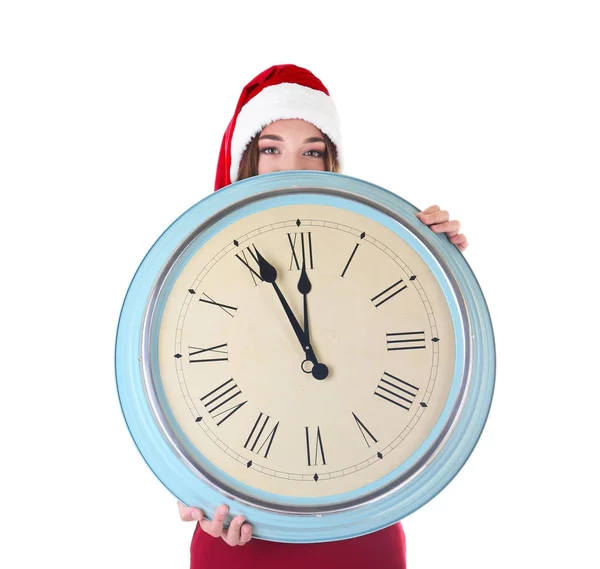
(238, 533)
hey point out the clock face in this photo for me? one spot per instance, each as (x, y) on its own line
(300, 347)
(306, 350)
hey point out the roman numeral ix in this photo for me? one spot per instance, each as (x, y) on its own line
(213, 354)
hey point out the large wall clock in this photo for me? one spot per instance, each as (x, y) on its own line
(300, 346)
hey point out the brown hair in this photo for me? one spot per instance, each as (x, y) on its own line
(249, 162)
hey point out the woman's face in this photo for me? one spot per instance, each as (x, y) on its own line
(290, 144)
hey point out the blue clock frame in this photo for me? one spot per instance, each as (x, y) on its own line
(192, 479)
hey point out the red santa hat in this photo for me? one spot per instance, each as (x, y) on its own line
(280, 92)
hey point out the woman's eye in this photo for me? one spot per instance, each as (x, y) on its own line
(269, 150)
(315, 153)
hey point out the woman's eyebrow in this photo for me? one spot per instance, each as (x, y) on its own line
(280, 139)
(271, 137)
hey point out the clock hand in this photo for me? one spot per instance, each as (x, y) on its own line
(304, 287)
(268, 273)
(319, 371)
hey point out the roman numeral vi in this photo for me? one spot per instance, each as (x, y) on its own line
(314, 448)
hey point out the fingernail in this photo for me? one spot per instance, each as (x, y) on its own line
(222, 510)
(195, 515)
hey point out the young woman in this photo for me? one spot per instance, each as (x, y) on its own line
(286, 120)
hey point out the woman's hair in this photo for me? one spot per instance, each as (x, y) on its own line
(249, 162)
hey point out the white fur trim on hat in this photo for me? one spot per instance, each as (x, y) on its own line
(283, 101)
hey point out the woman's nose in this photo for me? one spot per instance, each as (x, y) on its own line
(292, 162)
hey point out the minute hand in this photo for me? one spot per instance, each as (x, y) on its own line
(310, 354)
(268, 273)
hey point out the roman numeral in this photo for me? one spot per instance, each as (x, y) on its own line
(362, 236)
(395, 289)
(254, 438)
(317, 443)
(210, 354)
(301, 244)
(364, 431)
(218, 398)
(396, 391)
(350, 259)
(250, 260)
(405, 341)
(225, 307)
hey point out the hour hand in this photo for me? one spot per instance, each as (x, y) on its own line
(319, 370)
(304, 287)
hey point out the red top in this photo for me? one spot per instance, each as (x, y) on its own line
(385, 549)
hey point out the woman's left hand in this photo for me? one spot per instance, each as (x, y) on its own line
(439, 221)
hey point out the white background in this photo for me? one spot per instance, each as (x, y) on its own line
(111, 118)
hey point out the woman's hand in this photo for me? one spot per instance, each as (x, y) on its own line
(238, 533)
(439, 221)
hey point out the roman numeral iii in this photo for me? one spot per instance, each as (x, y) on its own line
(396, 391)
(398, 341)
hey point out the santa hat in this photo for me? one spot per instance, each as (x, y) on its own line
(280, 92)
